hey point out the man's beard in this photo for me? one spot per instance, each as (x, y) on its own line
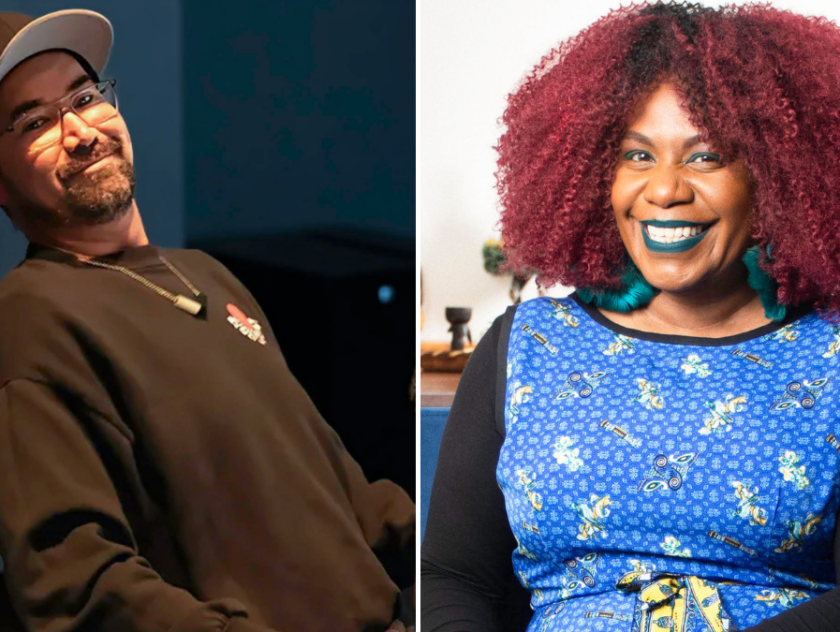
(91, 199)
(101, 197)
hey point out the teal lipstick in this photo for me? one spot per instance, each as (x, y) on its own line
(675, 246)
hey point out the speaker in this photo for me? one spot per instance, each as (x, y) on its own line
(342, 306)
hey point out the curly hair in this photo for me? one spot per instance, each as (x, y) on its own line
(762, 84)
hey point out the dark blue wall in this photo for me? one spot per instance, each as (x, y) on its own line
(261, 117)
(298, 114)
(146, 61)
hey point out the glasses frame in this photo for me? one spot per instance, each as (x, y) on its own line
(64, 105)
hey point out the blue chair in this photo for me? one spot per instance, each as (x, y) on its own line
(432, 422)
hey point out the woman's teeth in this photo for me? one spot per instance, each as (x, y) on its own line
(668, 235)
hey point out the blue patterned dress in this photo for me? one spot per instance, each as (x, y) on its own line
(669, 483)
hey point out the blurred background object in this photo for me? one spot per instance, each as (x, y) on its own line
(458, 317)
(495, 262)
(280, 137)
(455, 358)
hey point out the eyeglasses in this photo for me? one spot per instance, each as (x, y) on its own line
(42, 126)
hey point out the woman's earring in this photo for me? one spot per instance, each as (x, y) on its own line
(634, 292)
(764, 284)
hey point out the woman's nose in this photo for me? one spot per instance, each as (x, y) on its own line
(666, 187)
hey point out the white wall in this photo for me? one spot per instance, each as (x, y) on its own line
(472, 54)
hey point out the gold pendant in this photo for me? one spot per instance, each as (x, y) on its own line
(186, 304)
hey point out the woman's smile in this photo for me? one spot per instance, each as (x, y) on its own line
(672, 236)
(669, 231)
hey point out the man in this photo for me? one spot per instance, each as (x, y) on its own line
(160, 469)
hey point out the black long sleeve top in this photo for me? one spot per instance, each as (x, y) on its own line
(466, 572)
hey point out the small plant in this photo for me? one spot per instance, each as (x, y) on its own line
(495, 263)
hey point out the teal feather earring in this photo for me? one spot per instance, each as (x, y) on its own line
(634, 292)
(762, 283)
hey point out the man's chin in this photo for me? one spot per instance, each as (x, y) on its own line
(102, 210)
(103, 195)
(99, 197)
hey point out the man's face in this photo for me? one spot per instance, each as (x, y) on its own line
(86, 178)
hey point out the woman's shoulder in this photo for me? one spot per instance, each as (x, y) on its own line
(810, 329)
(547, 312)
(547, 308)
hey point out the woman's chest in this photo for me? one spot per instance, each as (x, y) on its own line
(724, 453)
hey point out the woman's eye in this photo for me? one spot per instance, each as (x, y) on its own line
(637, 155)
(706, 157)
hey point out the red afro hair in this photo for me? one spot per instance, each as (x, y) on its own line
(762, 84)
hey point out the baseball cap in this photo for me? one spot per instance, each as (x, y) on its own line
(85, 33)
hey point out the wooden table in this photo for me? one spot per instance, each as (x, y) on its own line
(437, 390)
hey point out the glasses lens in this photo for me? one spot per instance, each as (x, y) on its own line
(96, 104)
(39, 128)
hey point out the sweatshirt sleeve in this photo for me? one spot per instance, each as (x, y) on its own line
(71, 560)
(466, 571)
(385, 513)
(384, 510)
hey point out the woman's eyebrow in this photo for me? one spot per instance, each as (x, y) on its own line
(639, 137)
(691, 141)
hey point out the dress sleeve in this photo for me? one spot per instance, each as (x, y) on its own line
(71, 560)
(467, 580)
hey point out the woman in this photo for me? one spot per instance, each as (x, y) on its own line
(660, 450)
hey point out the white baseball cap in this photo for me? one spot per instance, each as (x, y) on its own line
(86, 33)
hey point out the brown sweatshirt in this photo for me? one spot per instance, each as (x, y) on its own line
(160, 471)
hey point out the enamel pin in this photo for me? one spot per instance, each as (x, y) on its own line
(248, 327)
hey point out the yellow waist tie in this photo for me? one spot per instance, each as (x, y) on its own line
(675, 603)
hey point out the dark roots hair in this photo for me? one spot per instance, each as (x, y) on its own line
(762, 84)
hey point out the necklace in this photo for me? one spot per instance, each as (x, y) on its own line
(197, 308)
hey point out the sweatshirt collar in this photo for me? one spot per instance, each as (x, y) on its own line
(137, 257)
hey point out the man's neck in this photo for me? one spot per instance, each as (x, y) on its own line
(86, 242)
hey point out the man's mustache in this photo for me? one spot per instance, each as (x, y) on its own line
(79, 163)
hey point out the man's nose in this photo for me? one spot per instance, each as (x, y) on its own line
(77, 136)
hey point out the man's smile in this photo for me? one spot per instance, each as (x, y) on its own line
(86, 166)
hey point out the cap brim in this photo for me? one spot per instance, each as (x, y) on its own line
(86, 33)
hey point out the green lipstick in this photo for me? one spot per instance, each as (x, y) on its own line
(681, 245)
